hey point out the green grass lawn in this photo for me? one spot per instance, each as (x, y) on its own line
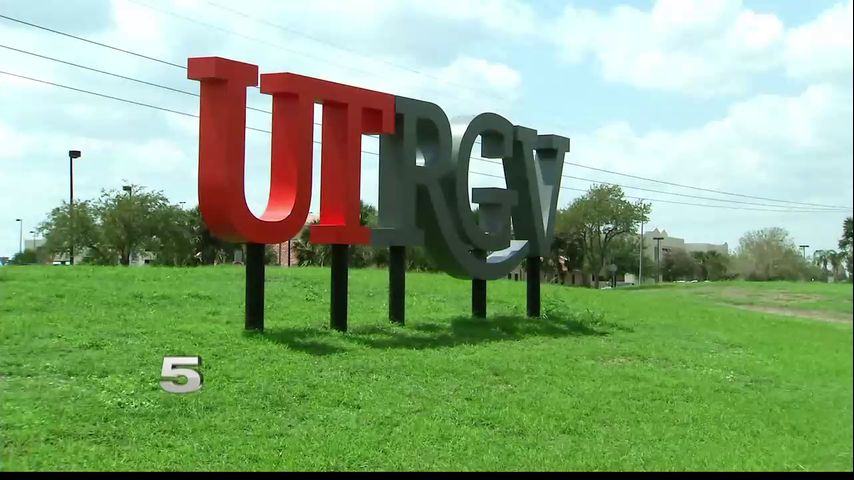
(627, 379)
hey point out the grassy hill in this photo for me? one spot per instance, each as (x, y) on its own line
(705, 376)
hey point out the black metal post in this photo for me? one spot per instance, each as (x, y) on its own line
(338, 293)
(533, 267)
(397, 284)
(71, 206)
(254, 286)
(478, 292)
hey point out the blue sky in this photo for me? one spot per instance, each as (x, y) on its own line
(751, 97)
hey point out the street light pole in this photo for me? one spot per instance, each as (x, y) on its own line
(658, 258)
(804, 250)
(72, 154)
(21, 237)
(640, 257)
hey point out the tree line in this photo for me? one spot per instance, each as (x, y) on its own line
(597, 230)
(111, 229)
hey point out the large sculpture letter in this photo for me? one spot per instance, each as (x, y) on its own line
(417, 174)
(222, 143)
(537, 182)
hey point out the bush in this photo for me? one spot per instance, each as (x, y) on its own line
(770, 254)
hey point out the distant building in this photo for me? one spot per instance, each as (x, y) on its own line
(33, 243)
(566, 276)
(285, 252)
(669, 243)
(61, 258)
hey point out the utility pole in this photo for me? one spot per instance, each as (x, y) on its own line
(658, 258)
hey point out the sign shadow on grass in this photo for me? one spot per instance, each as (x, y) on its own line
(462, 330)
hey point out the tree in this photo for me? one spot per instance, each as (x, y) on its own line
(712, 264)
(846, 244)
(625, 253)
(417, 259)
(311, 253)
(770, 254)
(566, 254)
(677, 264)
(836, 260)
(60, 234)
(207, 248)
(130, 220)
(821, 258)
(320, 254)
(597, 219)
(173, 241)
(27, 257)
(366, 255)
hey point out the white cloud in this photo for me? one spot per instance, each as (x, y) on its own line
(698, 47)
(157, 149)
(704, 47)
(790, 147)
(822, 48)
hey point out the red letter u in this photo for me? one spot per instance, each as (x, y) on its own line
(222, 153)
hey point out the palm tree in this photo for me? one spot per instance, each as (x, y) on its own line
(836, 259)
(821, 258)
(847, 240)
(846, 244)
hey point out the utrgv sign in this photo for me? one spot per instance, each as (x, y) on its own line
(423, 171)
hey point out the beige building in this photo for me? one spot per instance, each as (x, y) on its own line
(669, 243)
(286, 251)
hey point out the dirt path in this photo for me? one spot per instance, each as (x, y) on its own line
(823, 315)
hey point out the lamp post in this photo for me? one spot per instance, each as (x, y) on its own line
(640, 257)
(33, 233)
(804, 250)
(658, 258)
(72, 154)
(21, 238)
(128, 189)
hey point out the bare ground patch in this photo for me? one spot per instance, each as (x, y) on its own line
(823, 315)
(777, 296)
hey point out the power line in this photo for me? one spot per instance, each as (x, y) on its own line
(555, 117)
(103, 95)
(92, 42)
(133, 102)
(277, 46)
(165, 62)
(103, 72)
(699, 197)
(340, 47)
(238, 34)
(186, 114)
(124, 77)
(681, 203)
(702, 188)
(133, 79)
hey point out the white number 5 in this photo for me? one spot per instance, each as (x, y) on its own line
(194, 378)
